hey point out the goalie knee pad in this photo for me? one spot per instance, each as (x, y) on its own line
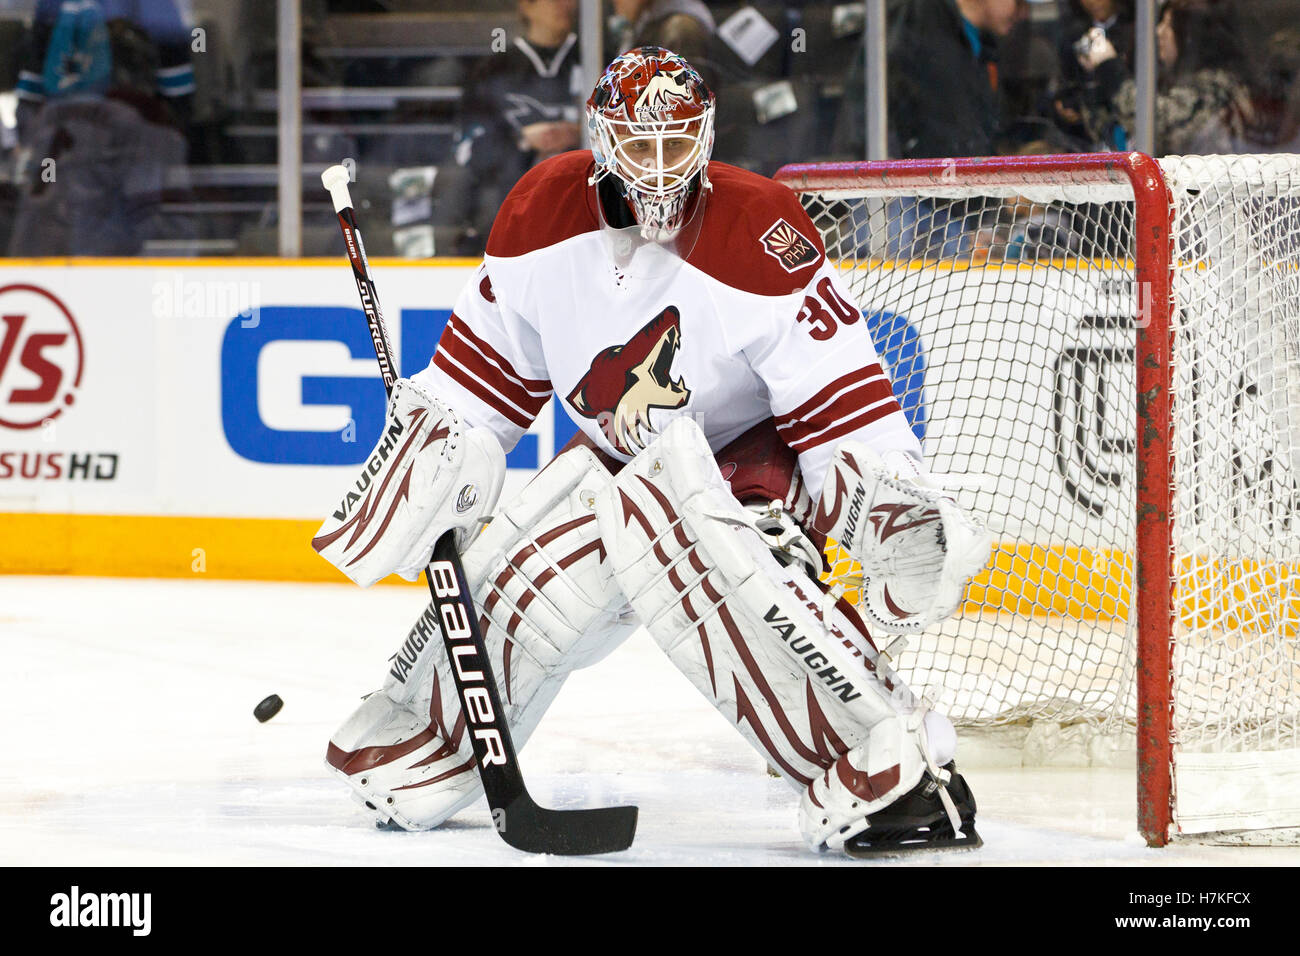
(793, 670)
(547, 605)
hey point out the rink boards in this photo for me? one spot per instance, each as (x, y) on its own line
(181, 417)
(199, 417)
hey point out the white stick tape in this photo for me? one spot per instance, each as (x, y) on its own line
(336, 181)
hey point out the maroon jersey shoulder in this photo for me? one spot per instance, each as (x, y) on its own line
(550, 203)
(755, 236)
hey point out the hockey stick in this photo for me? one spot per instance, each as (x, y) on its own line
(520, 821)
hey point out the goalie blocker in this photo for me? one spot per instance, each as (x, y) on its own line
(427, 475)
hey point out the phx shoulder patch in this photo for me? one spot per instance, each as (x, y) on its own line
(789, 246)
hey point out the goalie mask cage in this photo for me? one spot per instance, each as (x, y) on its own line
(1112, 343)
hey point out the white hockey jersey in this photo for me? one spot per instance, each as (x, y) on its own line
(753, 324)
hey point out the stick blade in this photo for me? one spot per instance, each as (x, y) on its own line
(533, 829)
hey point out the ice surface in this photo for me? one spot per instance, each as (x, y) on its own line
(127, 738)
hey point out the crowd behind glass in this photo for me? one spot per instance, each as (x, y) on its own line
(149, 127)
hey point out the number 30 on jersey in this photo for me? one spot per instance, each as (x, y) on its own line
(826, 311)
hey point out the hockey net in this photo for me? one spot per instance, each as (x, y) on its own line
(1109, 347)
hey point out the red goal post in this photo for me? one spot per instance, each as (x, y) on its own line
(1117, 568)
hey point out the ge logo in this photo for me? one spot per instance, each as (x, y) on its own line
(41, 357)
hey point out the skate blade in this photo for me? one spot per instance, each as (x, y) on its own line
(971, 841)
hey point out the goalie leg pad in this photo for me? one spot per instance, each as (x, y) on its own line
(792, 670)
(547, 605)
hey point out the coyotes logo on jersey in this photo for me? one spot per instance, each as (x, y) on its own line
(625, 381)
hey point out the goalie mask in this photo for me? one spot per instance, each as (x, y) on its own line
(651, 124)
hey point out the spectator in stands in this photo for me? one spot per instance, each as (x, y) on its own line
(684, 26)
(1028, 76)
(521, 106)
(1282, 128)
(943, 101)
(1275, 56)
(1086, 24)
(105, 97)
(137, 51)
(943, 75)
(1202, 106)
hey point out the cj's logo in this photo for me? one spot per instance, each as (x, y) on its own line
(41, 357)
(626, 381)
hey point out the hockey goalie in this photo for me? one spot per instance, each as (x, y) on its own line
(733, 415)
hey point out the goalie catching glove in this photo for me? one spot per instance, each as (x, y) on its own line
(917, 548)
(427, 475)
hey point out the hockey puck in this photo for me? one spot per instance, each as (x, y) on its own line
(268, 708)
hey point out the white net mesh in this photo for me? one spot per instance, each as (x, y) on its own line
(1237, 452)
(1006, 315)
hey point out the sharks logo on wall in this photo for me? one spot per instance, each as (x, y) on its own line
(625, 381)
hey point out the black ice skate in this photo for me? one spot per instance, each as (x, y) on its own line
(918, 821)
